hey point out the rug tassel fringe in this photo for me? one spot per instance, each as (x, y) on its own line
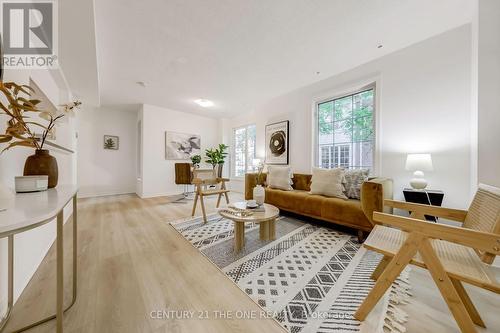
(399, 294)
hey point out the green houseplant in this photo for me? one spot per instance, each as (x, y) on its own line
(216, 157)
(196, 159)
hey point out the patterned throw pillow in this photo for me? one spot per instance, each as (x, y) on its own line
(353, 178)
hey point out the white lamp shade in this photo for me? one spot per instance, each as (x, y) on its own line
(420, 162)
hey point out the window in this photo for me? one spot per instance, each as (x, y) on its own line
(244, 150)
(345, 135)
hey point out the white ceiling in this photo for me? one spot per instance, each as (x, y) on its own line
(239, 53)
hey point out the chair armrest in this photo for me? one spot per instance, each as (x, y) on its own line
(373, 193)
(251, 182)
(222, 179)
(446, 213)
(478, 240)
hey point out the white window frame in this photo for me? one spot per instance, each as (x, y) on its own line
(370, 83)
(248, 164)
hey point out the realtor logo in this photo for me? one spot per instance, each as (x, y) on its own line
(28, 34)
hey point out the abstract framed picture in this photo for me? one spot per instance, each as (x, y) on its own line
(277, 143)
(181, 146)
(111, 142)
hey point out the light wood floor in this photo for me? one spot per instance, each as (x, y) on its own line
(131, 262)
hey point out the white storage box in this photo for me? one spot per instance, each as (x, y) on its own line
(31, 183)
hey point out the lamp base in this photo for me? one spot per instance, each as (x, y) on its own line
(418, 182)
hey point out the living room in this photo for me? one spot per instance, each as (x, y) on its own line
(207, 166)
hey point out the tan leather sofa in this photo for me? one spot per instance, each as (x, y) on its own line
(351, 212)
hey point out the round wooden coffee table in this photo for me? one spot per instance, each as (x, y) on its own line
(266, 220)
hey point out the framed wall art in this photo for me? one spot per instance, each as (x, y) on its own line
(181, 146)
(277, 143)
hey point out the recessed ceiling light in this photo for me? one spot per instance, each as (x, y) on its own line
(141, 83)
(380, 46)
(204, 103)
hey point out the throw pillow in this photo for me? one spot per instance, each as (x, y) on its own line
(279, 177)
(328, 182)
(353, 178)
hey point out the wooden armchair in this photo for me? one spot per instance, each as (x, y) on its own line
(451, 254)
(203, 179)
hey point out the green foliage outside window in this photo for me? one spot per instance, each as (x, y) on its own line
(351, 115)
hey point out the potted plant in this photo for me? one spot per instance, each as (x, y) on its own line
(19, 131)
(196, 159)
(216, 157)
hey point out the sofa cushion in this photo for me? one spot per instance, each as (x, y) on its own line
(328, 182)
(301, 181)
(353, 178)
(279, 177)
(342, 210)
(292, 200)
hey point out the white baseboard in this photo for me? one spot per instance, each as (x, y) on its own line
(104, 194)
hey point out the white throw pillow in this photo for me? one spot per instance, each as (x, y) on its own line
(279, 177)
(328, 182)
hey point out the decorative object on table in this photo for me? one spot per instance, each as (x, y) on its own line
(42, 163)
(353, 179)
(259, 193)
(277, 143)
(196, 160)
(452, 254)
(328, 182)
(280, 177)
(31, 183)
(418, 163)
(204, 181)
(216, 157)
(19, 131)
(181, 146)
(111, 142)
(424, 197)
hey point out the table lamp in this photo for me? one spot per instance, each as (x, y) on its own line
(418, 163)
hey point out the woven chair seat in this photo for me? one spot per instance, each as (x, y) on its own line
(459, 261)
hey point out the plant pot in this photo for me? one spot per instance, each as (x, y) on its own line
(259, 194)
(42, 163)
(219, 170)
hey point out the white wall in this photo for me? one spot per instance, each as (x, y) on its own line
(30, 247)
(424, 102)
(104, 171)
(489, 92)
(158, 174)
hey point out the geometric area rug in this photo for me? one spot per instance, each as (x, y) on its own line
(310, 278)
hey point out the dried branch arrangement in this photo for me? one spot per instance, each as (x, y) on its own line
(18, 107)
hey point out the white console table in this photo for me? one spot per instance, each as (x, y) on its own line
(27, 211)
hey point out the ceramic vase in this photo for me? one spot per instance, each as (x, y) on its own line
(259, 194)
(42, 163)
